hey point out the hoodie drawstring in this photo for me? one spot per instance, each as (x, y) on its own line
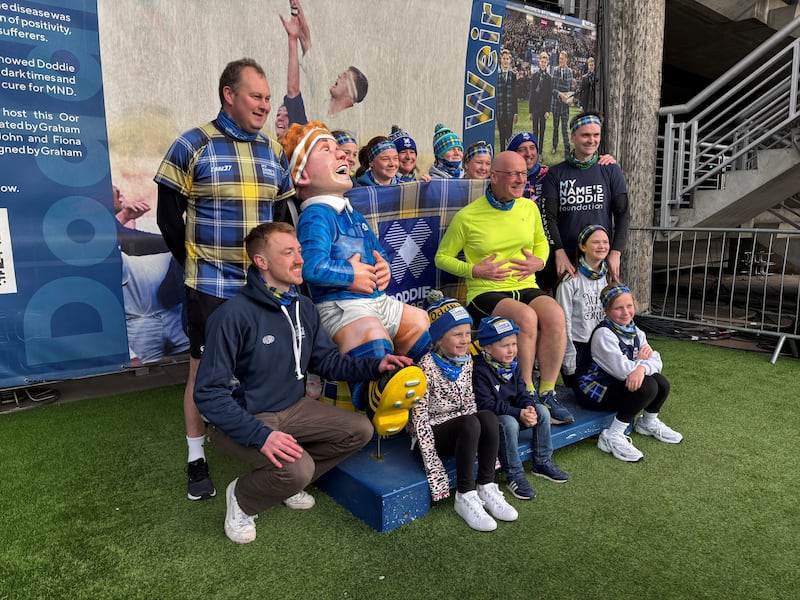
(296, 338)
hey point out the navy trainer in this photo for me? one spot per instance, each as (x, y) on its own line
(559, 415)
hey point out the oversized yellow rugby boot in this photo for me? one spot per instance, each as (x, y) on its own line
(391, 396)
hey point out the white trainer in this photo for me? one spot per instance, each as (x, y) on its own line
(470, 507)
(659, 430)
(495, 502)
(302, 500)
(239, 526)
(619, 445)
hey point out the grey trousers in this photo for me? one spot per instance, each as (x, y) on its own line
(327, 434)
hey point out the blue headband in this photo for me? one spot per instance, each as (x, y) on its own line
(345, 137)
(378, 148)
(478, 148)
(584, 120)
(587, 231)
(612, 291)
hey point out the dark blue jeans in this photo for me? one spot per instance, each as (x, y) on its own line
(542, 442)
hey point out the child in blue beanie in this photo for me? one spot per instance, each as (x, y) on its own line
(499, 387)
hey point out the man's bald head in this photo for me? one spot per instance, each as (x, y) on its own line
(508, 176)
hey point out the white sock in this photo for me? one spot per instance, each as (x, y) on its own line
(617, 426)
(196, 447)
(649, 418)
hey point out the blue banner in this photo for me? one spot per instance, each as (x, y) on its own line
(61, 306)
(480, 78)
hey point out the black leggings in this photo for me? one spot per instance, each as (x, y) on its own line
(464, 437)
(650, 397)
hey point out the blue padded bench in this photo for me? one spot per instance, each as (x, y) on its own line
(391, 491)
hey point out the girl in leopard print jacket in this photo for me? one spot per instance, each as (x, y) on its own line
(447, 421)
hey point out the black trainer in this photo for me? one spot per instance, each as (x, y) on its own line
(200, 485)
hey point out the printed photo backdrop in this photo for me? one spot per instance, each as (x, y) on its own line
(86, 283)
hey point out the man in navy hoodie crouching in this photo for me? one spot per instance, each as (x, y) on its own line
(250, 383)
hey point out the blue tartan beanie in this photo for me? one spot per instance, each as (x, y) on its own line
(445, 139)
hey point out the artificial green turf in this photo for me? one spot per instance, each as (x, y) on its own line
(93, 505)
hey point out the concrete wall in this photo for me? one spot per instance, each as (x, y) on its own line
(162, 60)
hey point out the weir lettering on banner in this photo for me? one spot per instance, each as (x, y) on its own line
(483, 51)
(61, 306)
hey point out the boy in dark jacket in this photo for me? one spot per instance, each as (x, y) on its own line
(499, 387)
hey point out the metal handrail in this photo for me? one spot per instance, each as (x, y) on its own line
(727, 278)
(750, 107)
(735, 71)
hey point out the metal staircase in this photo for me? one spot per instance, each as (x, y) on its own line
(733, 151)
(775, 13)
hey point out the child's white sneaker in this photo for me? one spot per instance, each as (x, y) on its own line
(470, 507)
(495, 502)
(659, 430)
(619, 445)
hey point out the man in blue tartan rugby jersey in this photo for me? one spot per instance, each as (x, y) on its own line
(225, 177)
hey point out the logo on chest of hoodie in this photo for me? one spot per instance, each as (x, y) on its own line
(270, 339)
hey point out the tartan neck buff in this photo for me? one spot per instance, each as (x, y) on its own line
(627, 332)
(583, 164)
(285, 298)
(450, 365)
(505, 371)
(406, 178)
(229, 126)
(451, 168)
(591, 273)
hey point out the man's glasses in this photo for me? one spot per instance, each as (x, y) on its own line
(514, 174)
